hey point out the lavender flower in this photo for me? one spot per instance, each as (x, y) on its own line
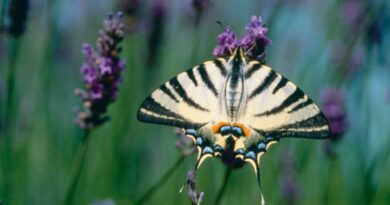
(227, 42)
(333, 101)
(194, 194)
(254, 41)
(101, 74)
(17, 11)
(184, 144)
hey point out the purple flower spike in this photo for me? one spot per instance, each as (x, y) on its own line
(184, 143)
(101, 73)
(227, 42)
(253, 43)
(256, 28)
(255, 39)
(195, 196)
(333, 101)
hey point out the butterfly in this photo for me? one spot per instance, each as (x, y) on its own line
(234, 109)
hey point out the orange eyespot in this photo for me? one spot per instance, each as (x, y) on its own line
(245, 130)
(215, 128)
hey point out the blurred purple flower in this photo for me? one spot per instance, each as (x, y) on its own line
(354, 60)
(194, 194)
(353, 13)
(227, 42)
(184, 143)
(101, 73)
(131, 10)
(288, 184)
(157, 28)
(107, 201)
(129, 7)
(333, 100)
(377, 29)
(199, 6)
(254, 41)
(17, 12)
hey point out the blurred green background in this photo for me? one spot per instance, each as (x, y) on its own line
(316, 44)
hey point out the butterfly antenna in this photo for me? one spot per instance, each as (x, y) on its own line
(231, 52)
(220, 24)
(250, 49)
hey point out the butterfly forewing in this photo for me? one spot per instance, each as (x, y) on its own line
(189, 100)
(278, 108)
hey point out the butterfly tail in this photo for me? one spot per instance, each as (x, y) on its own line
(259, 182)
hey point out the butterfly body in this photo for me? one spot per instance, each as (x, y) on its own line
(234, 109)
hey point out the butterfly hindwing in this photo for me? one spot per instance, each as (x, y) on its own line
(189, 100)
(277, 108)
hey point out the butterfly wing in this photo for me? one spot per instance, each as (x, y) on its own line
(277, 108)
(189, 100)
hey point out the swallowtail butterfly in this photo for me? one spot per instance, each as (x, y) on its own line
(234, 109)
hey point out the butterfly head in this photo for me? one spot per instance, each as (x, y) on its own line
(238, 56)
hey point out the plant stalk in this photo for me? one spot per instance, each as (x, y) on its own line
(77, 167)
(149, 193)
(222, 190)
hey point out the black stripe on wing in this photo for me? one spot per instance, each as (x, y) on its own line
(168, 92)
(294, 97)
(218, 63)
(161, 115)
(190, 74)
(264, 85)
(183, 94)
(280, 85)
(302, 105)
(252, 70)
(206, 79)
(304, 129)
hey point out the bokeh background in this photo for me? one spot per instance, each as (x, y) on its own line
(336, 51)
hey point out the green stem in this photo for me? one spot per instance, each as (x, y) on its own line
(77, 167)
(149, 193)
(7, 121)
(222, 190)
(331, 176)
(196, 44)
(9, 105)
